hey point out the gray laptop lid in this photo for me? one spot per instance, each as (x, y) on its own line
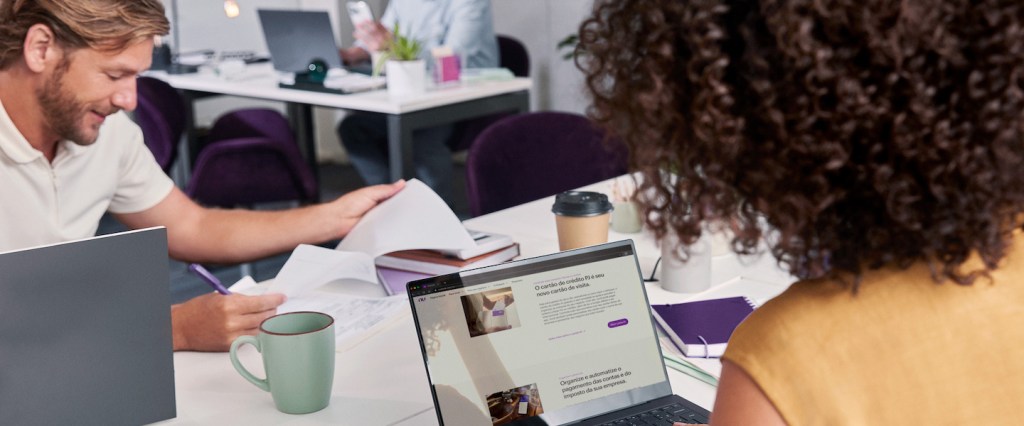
(85, 332)
(294, 38)
(548, 340)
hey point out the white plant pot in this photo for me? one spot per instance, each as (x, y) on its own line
(406, 78)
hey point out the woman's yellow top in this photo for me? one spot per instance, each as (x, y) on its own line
(902, 350)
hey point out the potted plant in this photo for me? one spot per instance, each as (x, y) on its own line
(405, 71)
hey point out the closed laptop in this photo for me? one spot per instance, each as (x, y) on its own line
(85, 332)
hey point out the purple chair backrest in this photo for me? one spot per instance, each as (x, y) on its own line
(250, 123)
(530, 156)
(161, 115)
(251, 158)
(512, 55)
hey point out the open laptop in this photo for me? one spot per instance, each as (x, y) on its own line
(85, 332)
(553, 340)
(295, 37)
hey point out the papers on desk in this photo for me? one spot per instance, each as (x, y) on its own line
(415, 218)
(337, 81)
(310, 267)
(355, 318)
(354, 82)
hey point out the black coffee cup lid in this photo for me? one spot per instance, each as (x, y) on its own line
(581, 204)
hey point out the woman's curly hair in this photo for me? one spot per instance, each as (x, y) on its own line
(862, 132)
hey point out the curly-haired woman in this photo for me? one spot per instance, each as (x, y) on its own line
(882, 142)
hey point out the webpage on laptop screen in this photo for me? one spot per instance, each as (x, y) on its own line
(519, 342)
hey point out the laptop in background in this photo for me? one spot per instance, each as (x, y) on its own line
(560, 339)
(85, 332)
(294, 38)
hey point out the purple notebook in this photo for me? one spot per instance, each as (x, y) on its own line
(702, 328)
(394, 280)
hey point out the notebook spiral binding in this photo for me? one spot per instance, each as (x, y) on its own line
(707, 351)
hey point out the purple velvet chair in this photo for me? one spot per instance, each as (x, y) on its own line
(160, 114)
(512, 55)
(530, 156)
(250, 158)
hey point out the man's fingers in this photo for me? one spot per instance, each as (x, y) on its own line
(380, 193)
(243, 304)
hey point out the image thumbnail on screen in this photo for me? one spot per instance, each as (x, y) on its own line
(490, 311)
(514, 404)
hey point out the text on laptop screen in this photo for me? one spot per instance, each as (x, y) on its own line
(541, 337)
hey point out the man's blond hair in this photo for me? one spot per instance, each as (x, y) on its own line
(105, 25)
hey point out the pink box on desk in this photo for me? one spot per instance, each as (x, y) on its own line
(446, 69)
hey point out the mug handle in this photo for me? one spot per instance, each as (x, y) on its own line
(241, 340)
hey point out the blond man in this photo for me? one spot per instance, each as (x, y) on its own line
(69, 153)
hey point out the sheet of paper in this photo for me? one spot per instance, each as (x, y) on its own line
(355, 318)
(310, 267)
(415, 218)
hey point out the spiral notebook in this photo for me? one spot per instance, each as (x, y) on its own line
(702, 328)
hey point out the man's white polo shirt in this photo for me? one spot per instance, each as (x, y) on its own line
(44, 203)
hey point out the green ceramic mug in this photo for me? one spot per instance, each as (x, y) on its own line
(298, 358)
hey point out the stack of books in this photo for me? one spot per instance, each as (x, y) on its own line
(490, 249)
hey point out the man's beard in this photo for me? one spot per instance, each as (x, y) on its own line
(61, 110)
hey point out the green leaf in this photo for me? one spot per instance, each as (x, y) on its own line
(402, 48)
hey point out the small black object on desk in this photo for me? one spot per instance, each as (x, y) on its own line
(316, 72)
(163, 61)
(313, 78)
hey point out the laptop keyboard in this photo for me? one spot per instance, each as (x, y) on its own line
(661, 416)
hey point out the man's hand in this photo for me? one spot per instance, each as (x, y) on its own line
(353, 55)
(351, 207)
(212, 321)
(373, 35)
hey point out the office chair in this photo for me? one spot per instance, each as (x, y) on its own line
(250, 157)
(161, 115)
(512, 54)
(530, 156)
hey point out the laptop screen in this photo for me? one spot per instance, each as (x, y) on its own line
(548, 340)
(295, 38)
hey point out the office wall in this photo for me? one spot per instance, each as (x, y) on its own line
(539, 24)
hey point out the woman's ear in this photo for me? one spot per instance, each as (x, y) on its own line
(40, 50)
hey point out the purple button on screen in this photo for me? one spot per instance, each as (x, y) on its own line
(618, 323)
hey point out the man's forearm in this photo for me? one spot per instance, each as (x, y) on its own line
(232, 236)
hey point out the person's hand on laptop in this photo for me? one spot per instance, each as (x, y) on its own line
(210, 322)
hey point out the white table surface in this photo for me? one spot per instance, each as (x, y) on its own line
(382, 381)
(260, 81)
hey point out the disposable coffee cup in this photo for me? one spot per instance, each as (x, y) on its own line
(581, 218)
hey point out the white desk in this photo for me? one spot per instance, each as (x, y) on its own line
(382, 381)
(436, 107)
